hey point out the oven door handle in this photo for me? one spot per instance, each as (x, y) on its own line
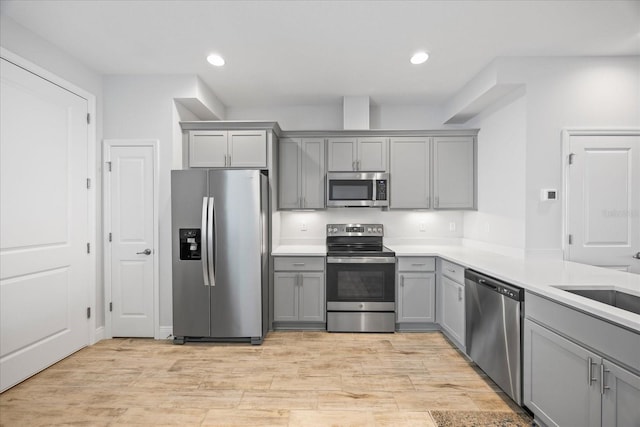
(361, 260)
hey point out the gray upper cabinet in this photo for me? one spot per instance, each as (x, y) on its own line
(410, 173)
(289, 185)
(228, 148)
(366, 154)
(301, 173)
(454, 173)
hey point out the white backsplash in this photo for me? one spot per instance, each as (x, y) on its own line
(419, 225)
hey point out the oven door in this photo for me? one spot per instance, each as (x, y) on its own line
(361, 283)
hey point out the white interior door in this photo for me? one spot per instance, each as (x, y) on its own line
(603, 200)
(44, 264)
(131, 230)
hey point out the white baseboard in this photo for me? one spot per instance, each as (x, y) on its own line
(98, 335)
(165, 333)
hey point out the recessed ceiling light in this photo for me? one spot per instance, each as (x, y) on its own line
(216, 60)
(419, 58)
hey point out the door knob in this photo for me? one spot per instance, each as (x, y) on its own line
(637, 256)
(145, 252)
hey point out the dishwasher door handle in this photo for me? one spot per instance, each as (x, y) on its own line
(487, 284)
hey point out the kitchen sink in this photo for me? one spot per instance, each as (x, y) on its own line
(611, 297)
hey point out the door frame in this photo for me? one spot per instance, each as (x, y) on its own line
(106, 208)
(567, 133)
(95, 331)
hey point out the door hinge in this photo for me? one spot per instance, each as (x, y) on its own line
(108, 166)
(571, 239)
(88, 248)
(88, 312)
(88, 118)
(571, 158)
(110, 306)
(110, 236)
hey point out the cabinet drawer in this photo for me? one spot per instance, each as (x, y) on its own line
(453, 271)
(298, 263)
(416, 264)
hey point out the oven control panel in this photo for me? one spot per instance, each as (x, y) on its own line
(376, 230)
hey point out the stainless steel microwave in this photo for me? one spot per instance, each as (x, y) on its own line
(360, 189)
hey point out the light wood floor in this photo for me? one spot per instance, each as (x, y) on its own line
(294, 378)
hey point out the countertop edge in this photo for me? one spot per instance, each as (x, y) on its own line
(484, 262)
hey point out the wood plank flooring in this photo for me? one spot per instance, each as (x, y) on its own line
(293, 379)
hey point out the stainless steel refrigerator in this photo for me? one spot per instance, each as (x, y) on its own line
(220, 233)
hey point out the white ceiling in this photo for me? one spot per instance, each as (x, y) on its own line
(315, 52)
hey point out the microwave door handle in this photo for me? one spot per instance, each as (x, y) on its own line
(211, 236)
(203, 241)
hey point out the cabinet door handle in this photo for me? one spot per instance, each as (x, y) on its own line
(402, 281)
(459, 294)
(418, 264)
(637, 256)
(450, 270)
(602, 378)
(590, 378)
(358, 165)
(300, 264)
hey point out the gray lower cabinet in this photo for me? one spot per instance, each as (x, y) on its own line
(621, 398)
(569, 378)
(299, 293)
(416, 291)
(451, 304)
(559, 391)
(301, 171)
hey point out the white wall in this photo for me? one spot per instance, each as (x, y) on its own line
(561, 93)
(142, 107)
(592, 92)
(42, 53)
(500, 218)
(299, 117)
(398, 224)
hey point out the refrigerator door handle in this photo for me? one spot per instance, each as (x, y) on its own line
(211, 236)
(203, 233)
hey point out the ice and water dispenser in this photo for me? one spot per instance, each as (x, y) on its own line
(190, 244)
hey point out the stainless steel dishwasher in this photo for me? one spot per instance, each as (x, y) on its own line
(494, 330)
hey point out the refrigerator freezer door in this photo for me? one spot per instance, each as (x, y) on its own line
(236, 299)
(190, 293)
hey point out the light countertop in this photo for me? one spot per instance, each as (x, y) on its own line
(539, 276)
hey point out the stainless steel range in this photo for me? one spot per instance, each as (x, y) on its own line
(361, 289)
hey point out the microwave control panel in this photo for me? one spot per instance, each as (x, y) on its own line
(381, 189)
